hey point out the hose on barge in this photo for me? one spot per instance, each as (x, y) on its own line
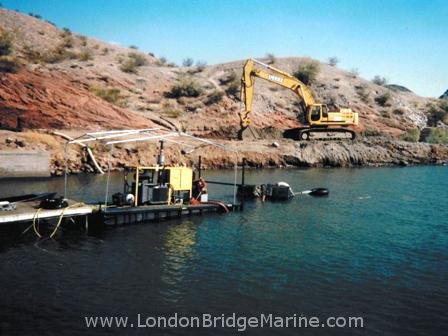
(61, 216)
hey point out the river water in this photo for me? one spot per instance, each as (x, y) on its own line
(376, 248)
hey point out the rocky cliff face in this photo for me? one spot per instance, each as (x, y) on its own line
(72, 82)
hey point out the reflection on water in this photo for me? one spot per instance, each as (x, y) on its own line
(376, 247)
(178, 252)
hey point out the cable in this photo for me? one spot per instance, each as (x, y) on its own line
(34, 223)
(61, 216)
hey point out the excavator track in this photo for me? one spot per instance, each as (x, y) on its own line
(326, 134)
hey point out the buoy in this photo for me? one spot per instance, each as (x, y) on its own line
(315, 192)
(319, 192)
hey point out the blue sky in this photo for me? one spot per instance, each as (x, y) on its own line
(405, 41)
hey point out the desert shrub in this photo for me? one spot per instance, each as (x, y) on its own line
(363, 93)
(233, 90)
(437, 135)
(200, 66)
(133, 61)
(398, 111)
(411, 135)
(233, 83)
(128, 66)
(354, 72)
(67, 41)
(385, 114)
(187, 62)
(66, 31)
(85, 55)
(436, 113)
(37, 16)
(378, 80)
(231, 77)
(83, 40)
(383, 99)
(333, 61)
(371, 131)
(50, 23)
(133, 47)
(5, 43)
(138, 59)
(161, 61)
(307, 72)
(58, 54)
(215, 97)
(9, 64)
(270, 58)
(185, 86)
(104, 51)
(111, 95)
(31, 55)
(171, 111)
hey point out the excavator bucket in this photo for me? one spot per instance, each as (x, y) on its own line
(246, 133)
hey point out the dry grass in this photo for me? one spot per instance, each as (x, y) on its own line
(85, 55)
(171, 111)
(50, 141)
(111, 95)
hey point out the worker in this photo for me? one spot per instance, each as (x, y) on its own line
(263, 192)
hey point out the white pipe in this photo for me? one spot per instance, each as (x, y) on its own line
(80, 141)
(97, 166)
(93, 134)
(89, 152)
(108, 176)
(65, 169)
(141, 139)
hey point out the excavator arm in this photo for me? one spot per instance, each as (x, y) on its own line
(273, 75)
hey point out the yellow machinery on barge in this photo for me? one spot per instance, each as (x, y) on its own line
(158, 185)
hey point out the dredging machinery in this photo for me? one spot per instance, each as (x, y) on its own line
(280, 191)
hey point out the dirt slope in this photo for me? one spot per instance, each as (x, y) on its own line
(39, 100)
(72, 82)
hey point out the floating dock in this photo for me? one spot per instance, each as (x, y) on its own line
(150, 193)
(29, 211)
(155, 213)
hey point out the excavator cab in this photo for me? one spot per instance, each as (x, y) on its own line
(317, 113)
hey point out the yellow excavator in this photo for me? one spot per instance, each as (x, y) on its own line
(321, 123)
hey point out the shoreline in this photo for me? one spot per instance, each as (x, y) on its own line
(263, 153)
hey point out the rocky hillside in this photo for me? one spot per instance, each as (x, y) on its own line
(52, 78)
